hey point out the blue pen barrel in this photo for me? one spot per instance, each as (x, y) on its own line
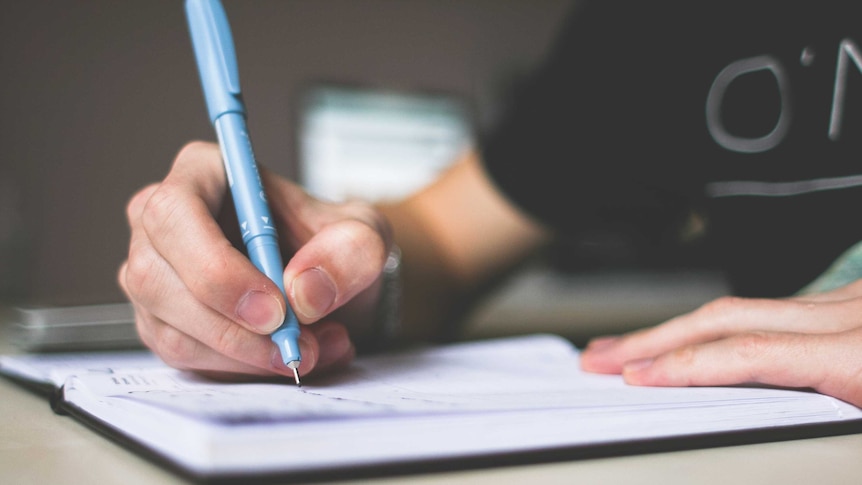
(216, 59)
(243, 177)
(255, 221)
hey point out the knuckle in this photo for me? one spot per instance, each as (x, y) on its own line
(752, 345)
(213, 270)
(193, 150)
(684, 356)
(230, 341)
(136, 204)
(722, 305)
(356, 236)
(122, 273)
(160, 209)
(138, 271)
(174, 347)
(144, 328)
(141, 270)
(372, 218)
(198, 154)
(717, 316)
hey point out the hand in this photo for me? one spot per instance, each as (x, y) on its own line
(200, 304)
(812, 341)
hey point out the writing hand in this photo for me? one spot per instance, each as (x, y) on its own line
(812, 341)
(200, 304)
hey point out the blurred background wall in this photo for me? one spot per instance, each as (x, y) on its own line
(97, 96)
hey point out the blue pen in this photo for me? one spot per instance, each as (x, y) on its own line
(216, 59)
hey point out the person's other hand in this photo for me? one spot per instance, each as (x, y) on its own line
(200, 304)
(812, 341)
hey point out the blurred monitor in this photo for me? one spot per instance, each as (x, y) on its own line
(377, 145)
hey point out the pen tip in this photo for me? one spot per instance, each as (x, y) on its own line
(296, 376)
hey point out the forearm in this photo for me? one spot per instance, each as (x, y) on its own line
(455, 236)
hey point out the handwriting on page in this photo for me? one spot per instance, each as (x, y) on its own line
(431, 382)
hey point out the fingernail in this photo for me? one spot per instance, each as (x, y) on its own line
(637, 365)
(260, 311)
(314, 293)
(601, 343)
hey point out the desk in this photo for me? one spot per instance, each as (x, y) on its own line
(581, 305)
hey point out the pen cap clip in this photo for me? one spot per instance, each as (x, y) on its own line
(216, 56)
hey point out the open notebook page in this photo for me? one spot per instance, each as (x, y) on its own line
(52, 369)
(476, 398)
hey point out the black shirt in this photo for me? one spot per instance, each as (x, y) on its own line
(645, 112)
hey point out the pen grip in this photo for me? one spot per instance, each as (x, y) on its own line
(264, 254)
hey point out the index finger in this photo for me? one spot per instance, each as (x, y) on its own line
(718, 319)
(828, 363)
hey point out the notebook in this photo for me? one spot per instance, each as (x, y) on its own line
(471, 404)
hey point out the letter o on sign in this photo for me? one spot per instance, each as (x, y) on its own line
(716, 96)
